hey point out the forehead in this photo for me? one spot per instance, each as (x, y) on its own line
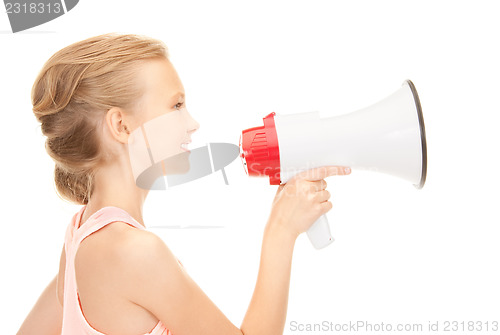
(159, 77)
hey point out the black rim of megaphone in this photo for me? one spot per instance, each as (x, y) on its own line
(422, 133)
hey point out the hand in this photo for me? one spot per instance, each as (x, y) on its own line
(303, 199)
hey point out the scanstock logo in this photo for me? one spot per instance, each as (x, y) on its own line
(25, 14)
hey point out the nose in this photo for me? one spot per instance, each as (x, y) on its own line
(193, 125)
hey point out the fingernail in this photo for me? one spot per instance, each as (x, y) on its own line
(347, 170)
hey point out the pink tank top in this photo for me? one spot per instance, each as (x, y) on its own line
(74, 322)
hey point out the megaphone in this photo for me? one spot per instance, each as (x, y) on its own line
(387, 137)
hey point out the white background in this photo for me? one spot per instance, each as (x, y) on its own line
(401, 255)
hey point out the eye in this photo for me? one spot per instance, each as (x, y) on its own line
(179, 105)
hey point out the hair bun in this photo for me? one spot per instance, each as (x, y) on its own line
(54, 88)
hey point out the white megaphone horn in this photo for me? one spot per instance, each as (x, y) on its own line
(388, 136)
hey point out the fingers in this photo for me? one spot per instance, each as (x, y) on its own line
(322, 196)
(325, 206)
(323, 172)
(318, 185)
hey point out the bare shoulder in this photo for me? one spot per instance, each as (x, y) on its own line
(141, 248)
(146, 255)
(147, 262)
(121, 261)
(124, 245)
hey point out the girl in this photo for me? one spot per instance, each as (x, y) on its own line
(88, 98)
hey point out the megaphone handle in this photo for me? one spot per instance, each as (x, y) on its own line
(319, 233)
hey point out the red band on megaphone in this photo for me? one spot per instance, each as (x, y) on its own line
(260, 150)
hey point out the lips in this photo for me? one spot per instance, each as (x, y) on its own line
(184, 146)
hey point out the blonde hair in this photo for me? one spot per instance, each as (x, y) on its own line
(71, 95)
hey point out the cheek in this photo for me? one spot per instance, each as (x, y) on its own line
(176, 129)
(174, 137)
(165, 135)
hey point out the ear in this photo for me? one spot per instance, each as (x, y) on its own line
(118, 124)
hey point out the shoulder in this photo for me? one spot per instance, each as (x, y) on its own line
(119, 251)
(150, 267)
(141, 248)
(120, 248)
(142, 255)
(128, 246)
(116, 237)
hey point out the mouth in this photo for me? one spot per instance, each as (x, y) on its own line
(184, 146)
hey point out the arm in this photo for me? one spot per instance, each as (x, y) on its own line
(45, 317)
(159, 284)
(266, 313)
(296, 206)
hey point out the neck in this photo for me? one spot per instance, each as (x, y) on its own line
(114, 185)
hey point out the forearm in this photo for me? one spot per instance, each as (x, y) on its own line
(45, 318)
(266, 313)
